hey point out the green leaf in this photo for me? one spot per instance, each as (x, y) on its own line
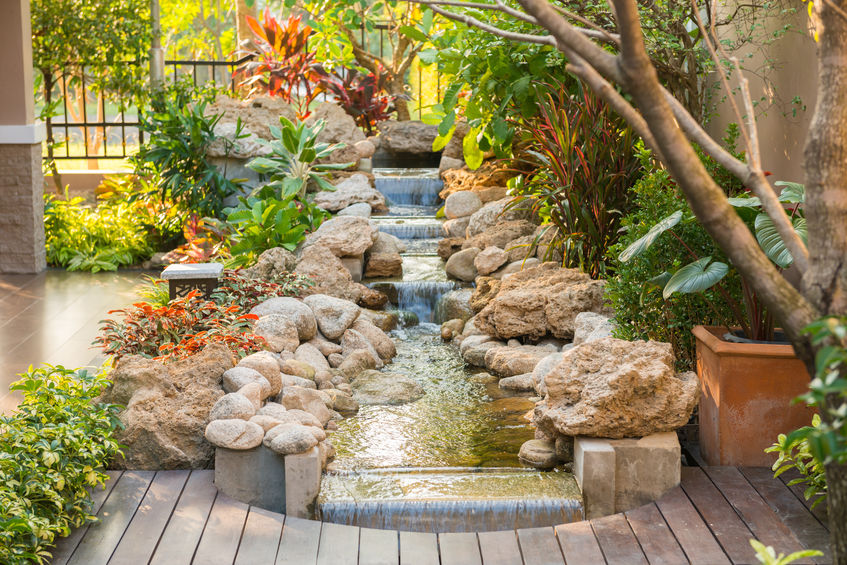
(441, 141)
(695, 277)
(657, 282)
(446, 125)
(413, 33)
(745, 202)
(470, 147)
(428, 56)
(792, 192)
(641, 244)
(772, 243)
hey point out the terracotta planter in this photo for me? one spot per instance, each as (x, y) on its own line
(745, 403)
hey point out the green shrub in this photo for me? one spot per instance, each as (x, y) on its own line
(94, 238)
(796, 453)
(640, 310)
(52, 449)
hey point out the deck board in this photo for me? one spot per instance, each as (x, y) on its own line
(655, 537)
(299, 542)
(539, 547)
(219, 542)
(339, 545)
(459, 549)
(500, 548)
(378, 547)
(618, 543)
(260, 540)
(418, 548)
(579, 544)
(690, 531)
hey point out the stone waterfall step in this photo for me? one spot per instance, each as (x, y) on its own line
(410, 192)
(419, 233)
(418, 296)
(450, 499)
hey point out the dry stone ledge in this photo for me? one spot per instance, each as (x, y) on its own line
(615, 389)
(344, 236)
(234, 434)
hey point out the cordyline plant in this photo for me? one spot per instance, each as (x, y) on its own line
(617, 63)
(365, 97)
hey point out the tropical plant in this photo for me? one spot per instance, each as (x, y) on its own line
(204, 242)
(766, 555)
(584, 164)
(363, 96)
(796, 455)
(282, 65)
(53, 449)
(245, 292)
(155, 292)
(98, 238)
(292, 165)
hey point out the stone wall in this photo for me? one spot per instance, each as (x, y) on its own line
(22, 209)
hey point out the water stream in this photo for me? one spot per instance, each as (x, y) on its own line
(447, 462)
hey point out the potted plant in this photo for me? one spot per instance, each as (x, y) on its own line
(749, 374)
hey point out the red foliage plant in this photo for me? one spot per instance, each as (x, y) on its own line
(203, 242)
(364, 96)
(282, 65)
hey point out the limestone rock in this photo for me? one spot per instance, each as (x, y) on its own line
(279, 331)
(333, 315)
(511, 361)
(356, 362)
(521, 248)
(353, 190)
(542, 369)
(461, 204)
(475, 354)
(324, 346)
(352, 341)
(615, 389)
(486, 289)
(495, 212)
(238, 377)
(307, 400)
(232, 406)
(589, 326)
(299, 368)
(452, 328)
(489, 260)
(407, 137)
(371, 298)
(344, 236)
(448, 246)
(272, 263)
(456, 228)
(265, 363)
(501, 235)
(234, 434)
(539, 453)
(291, 439)
(257, 113)
(308, 353)
(515, 267)
(375, 387)
(382, 344)
(384, 265)
(454, 304)
(361, 209)
(339, 127)
(518, 383)
(488, 181)
(293, 309)
(329, 274)
(446, 163)
(387, 243)
(460, 265)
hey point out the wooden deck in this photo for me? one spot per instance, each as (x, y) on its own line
(178, 517)
(52, 317)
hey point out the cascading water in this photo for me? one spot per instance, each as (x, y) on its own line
(447, 462)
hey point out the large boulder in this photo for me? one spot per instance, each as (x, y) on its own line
(279, 331)
(540, 300)
(460, 265)
(486, 289)
(333, 315)
(344, 236)
(375, 387)
(407, 137)
(495, 212)
(168, 408)
(329, 274)
(272, 263)
(490, 259)
(501, 235)
(257, 114)
(454, 304)
(293, 309)
(339, 127)
(614, 388)
(590, 326)
(355, 189)
(461, 204)
(512, 361)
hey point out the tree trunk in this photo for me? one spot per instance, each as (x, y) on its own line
(836, 508)
(242, 30)
(401, 104)
(47, 76)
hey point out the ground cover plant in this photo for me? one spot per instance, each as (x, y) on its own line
(53, 449)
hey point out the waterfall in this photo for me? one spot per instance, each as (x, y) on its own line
(416, 191)
(420, 297)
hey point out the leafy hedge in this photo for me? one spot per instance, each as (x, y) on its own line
(53, 448)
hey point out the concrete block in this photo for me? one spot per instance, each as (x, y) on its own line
(302, 483)
(594, 469)
(254, 476)
(355, 265)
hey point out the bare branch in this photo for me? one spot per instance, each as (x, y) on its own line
(473, 22)
(613, 38)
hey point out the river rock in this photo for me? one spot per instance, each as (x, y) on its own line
(352, 341)
(494, 213)
(449, 246)
(355, 190)
(366, 148)
(474, 349)
(386, 321)
(308, 353)
(539, 453)
(511, 361)
(454, 304)
(293, 380)
(238, 377)
(452, 328)
(299, 368)
(540, 300)
(382, 344)
(234, 434)
(515, 267)
(542, 369)
(374, 387)
(486, 289)
(460, 265)
(518, 383)
(329, 274)
(381, 265)
(590, 326)
(407, 136)
(461, 204)
(501, 234)
(344, 236)
(361, 209)
(324, 346)
(307, 400)
(265, 363)
(333, 315)
(167, 408)
(456, 228)
(232, 406)
(290, 439)
(489, 260)
(614, 388)
(356, 362)
(293, 309)
(279, 331)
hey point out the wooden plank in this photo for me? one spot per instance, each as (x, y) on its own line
(579, 545)
(819, 511)
(617, 542)
(811, 533)
(539, 547)
(260, 540)
(655, 537)
(142, 535)
(219, 542)
(339, 545)
(66, 546)
(378, 547)
(500, 548)
(730, 530)
(115, 514)
(418, 548)
(755, 512)
(299, 542)
(459, 549)
(182, 534)
(692, 533)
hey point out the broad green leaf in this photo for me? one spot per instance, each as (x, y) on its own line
(657, 282)
(262, 165)
(792, 192)
(772, 243)
(695, 277)
(447, 124)
(470, 147)
(413, 33)
(745, 202)
(641, 244)
(428, 56)
(441, 141)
